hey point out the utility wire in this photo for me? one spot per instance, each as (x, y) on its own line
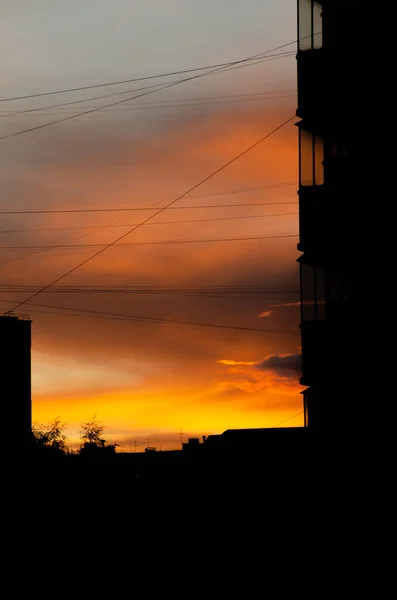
(231, 289)
(31, 254)
(210, 220)
(8, 112)
(95, 210)
(208, 195)
(159, 106)
(84, 262)
(160, 288)
(285, 420)
(93, 110)
(98, 229)
(157, 242)
(71, 103)
(147, 87)
(135, 79)
(116, 224)
(161, 320)
(147, 293)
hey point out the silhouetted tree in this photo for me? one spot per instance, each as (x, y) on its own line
(92, 432)
(94, 448)
(50, 438)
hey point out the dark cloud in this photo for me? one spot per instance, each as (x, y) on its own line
(281, 363)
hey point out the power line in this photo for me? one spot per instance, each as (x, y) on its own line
(183, 291)
(147, 87)
(185, 295)
(95, 210)
(144, 319)
(99, 228)
(157, 242)
(93, 110)
(159, 106)
(148, 293)
(163, 288)
(208, 195)
(210, 220)
(30, 255)
(6, 112)
(218, 97)
(224, 166)
(154, 288)
(250, 294)
(135, 79)
(285, 420)
(115, 223)
(72, 102)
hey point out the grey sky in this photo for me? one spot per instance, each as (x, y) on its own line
(51, 43)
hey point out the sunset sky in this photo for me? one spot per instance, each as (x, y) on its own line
(153, 382)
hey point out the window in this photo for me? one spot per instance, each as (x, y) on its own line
(312, 293)
(309, 25)
(317, 37)
(320, 294)
(311, 157)
(307, 291)
(318, 167)
(306, 409)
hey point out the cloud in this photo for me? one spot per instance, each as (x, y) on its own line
(281, 364)
(276, 374)
(265, 313)
(233, 363)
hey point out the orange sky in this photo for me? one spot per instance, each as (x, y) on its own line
(148, 382)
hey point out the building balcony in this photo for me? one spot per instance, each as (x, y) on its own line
(323, 222)
(327, 93)
(311, 84)
(326, 351)
(315, 359)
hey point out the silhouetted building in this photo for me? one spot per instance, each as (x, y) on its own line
(191, 445)
(332, 157)
(15, 379)
(256, 441)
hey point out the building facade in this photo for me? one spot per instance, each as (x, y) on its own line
(332, 152)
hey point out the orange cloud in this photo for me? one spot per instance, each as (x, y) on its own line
(234, 362)
(273, 374)
(265, 313)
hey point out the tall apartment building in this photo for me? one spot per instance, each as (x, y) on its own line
(333, 152)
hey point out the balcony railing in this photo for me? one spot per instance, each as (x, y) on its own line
(326, 355)
(314, 351)
(323, 219)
